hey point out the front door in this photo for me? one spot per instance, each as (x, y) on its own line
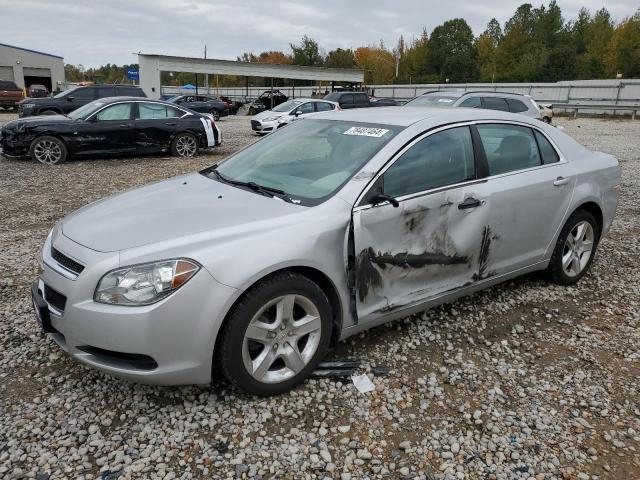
(110, 130)
(434, 240)
(531, 188)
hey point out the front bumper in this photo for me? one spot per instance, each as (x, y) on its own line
(12, 146)
(260, 126)
(168, 343)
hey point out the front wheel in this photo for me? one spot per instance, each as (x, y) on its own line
(276, 335)
(184, 145)
(575, 249)
(48, 150)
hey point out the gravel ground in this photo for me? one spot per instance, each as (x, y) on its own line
(525, 380)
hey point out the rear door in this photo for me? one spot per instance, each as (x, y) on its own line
(431, 243)
(531, 186)
(155, 126)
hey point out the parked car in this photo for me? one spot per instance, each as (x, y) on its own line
(202, 104)
(319, 231)
(384, 102)
(110, 126)
(546, 112)
(232, 105)
(267, 100)
(10, 95)
(287, 112)
(348, 100)
(505, 102)
(68, 100)
(38, 91)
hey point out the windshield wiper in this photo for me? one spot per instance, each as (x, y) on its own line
(264, 190)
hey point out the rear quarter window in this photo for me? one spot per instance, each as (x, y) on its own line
(130, 92)
(495, 103)
(549, 154)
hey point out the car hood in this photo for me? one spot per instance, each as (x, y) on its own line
(268, 113)
(171, 209)
(38, 121)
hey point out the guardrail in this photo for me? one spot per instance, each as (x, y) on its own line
(603, 108)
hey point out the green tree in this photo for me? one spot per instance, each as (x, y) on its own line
(413, 62)
(340, 58)
(451, 54)
(624, 48)
(486, 47)
(307, 52)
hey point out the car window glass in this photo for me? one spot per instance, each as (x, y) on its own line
(516, 106)
(84, 94)
(495, 103)
(361, 98)
(306, 108)
(324, 106)
(549, 154)
(173, 112)
(148, 111)
(348, 98)
(120, 111)
(508, 147)
(471, 102)
(441, 159)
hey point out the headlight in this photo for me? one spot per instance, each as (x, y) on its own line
(28, 105)
(270, 119)
(144, 284)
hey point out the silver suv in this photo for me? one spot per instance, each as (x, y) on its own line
(505, 102)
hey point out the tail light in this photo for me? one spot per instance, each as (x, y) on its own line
(338, 108)
(213, 124)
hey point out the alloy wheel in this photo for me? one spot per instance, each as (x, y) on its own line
(578, 249)
(47, 152)
(281, 338)
(186, 146)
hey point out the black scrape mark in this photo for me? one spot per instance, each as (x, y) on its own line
(368, 277)
(483, 258)
(414, 218)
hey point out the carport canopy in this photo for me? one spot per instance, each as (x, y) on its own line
(152, 65)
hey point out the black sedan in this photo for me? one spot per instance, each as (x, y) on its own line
(202, 104)
(110, 126)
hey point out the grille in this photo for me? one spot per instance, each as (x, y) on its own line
(66, 262)
(55, 298)
(255, 124)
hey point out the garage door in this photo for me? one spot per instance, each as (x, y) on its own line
(6, 73)
(36, 72)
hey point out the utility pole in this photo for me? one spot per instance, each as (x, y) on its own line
(206, 75)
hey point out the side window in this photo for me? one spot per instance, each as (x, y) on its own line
(306, 107)
(471, 102)
(441, 159)
(495, 103)
(119, 111)
(361, 98)
(105, 92)
(508, 147)
(173, 112)
(347, 99)
(149, 111)
(516, 106)
(324, 106)
(84, 94)
(549, 154)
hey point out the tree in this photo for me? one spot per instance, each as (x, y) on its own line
(451, 53)
(340, 58)
(624, 49)
(413, 63)
(486, 47)
(378, 64)
(307, 52)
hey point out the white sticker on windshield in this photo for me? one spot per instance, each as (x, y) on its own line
(445, 100)
(366, 131)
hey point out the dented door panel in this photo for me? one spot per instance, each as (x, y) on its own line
(419, 250)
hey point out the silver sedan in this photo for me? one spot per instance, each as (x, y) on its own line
(328, 227)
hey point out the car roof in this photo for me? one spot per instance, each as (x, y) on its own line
(133, 99)
(459, 93)
(405, 116)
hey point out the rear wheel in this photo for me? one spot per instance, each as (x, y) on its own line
(575, 249)
(48, 150)
(184, 145)
(216, 114)
(49, 112)
(276, 335)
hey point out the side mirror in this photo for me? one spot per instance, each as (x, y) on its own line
(70, 99)
(381, 197)
(93, 119)
(297, 113)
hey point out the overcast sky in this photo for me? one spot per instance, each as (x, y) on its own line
(109, 31)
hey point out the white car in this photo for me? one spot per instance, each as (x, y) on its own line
(270, 120)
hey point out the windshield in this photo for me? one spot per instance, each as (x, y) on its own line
(432, 100)
(86, 110)
(310, 159)
(286, 106)
(65, 92)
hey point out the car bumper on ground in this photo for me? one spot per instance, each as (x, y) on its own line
(167, 343)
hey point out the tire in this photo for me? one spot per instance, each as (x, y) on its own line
(49, 112)
(285, 364)
(567, 265)
(216, 114)
(184, 145)
(546, 120)
(48, 150)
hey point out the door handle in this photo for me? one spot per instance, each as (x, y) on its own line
(469, 202)
(558, 182)
(171, 124)
(125, 125)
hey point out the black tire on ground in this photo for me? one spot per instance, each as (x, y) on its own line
(228, 354)
(178, 145)
(555, 272)
(216, 114)
(47, 150)
(546, 120)
(49, 112)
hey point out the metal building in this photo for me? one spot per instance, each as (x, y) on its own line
(28, 67)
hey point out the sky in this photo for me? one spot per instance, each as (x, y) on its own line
(93, 33)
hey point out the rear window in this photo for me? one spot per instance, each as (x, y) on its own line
(516, 106)
(334, 97)
(7, 85)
